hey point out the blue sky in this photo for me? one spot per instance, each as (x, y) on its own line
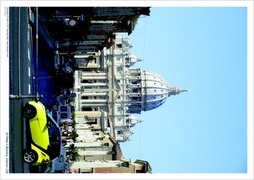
(203, 50)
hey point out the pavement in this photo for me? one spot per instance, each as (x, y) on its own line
(47, 81)
(46, 75)
(27, 76)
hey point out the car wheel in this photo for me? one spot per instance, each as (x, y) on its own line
(29, 111)
(30, 156)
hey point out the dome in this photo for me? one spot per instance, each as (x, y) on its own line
(153, 92)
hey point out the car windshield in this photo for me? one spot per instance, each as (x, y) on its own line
(54, 138)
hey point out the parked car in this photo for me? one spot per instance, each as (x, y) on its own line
(42, 145)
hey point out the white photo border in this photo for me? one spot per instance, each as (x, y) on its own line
(4, 84)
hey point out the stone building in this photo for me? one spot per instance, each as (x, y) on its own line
(86, 29)
(115, 166)
(110, 91)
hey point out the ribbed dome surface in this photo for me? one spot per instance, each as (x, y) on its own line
(153, 90)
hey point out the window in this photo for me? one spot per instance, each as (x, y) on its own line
(136, 98)
(106, 144)
(135, 90)
(64, 115)
(86, 109)
(119, 132)
(125, 164)
(63, 108)
(91, 120)
(87, 81)
(119, 45)
(84, 97)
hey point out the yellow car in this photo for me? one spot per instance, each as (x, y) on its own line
(40, 148)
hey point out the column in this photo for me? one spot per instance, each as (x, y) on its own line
(91, 153)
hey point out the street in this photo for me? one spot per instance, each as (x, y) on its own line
(29, 75)
(21, 83)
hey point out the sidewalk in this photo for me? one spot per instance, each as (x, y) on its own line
(46, 74)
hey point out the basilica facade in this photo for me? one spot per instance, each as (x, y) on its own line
(109, 91)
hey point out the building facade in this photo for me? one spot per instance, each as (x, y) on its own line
(109, 92)
(115, 166)
(86, 29)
